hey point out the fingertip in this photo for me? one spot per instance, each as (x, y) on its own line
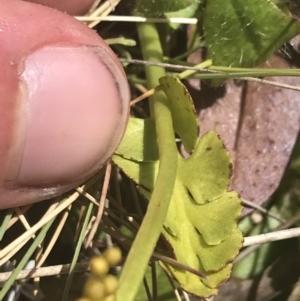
(64, 103)
(74, 7)
(74, 115)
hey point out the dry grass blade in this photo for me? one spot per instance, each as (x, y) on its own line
(196, 69)
(13, 250)
(145, 95)
(46, 271)
(112, 4)
(14, 219)
(141, 88)
(262, 210)
(186, 296)
(102, 11)
(272, 236)
(253, 248)
(46, 219)
(87, 195)
(137, 19)
(54, 238)
(101, 205)
(23, 219)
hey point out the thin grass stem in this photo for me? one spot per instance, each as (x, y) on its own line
(272, 236)
(77, 251)
(101, 205)
(5, 222)
(25, 259)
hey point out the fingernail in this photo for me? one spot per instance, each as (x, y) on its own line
(72, 114)
(76, 113)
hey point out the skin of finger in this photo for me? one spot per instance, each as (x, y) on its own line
(26, 27)
(72, 7)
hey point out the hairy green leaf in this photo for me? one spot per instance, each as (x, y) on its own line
(159, 7)
(245, 32)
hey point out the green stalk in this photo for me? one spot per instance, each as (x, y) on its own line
(235, 71)
(269, 71)
(241, 74)
(148, 234)
(25, 259)
(77, 251)
(3, 227)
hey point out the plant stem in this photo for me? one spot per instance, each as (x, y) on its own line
(271, 236)
(148, 234)
(77, 251)
(25, 259)
(5, 222)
